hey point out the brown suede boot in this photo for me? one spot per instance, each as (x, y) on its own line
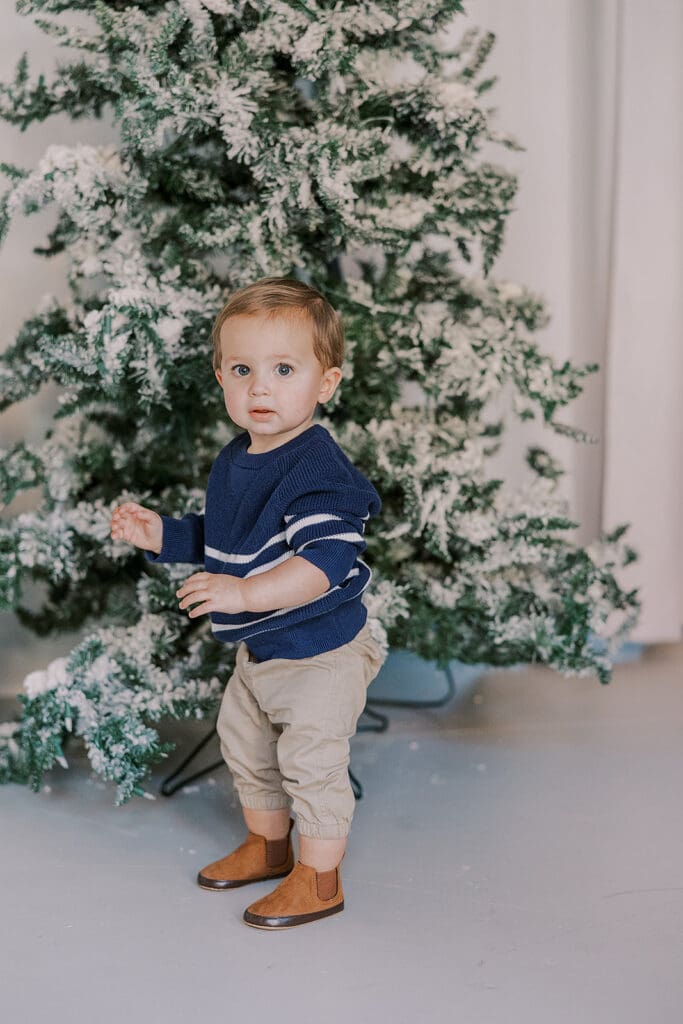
(256, 860)
(305, 895)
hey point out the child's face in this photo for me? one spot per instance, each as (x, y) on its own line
(270, 364)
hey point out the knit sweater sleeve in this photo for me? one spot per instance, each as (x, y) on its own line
(182, 540)
(325, 523)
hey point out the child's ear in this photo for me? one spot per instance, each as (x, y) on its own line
(219, 377)
(328, 385)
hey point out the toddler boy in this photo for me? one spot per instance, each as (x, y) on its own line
(280, 539)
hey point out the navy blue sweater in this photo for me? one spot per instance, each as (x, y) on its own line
(303, 498)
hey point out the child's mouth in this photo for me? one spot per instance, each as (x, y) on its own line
(261, 412)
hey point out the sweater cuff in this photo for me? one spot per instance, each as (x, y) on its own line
(174, 542)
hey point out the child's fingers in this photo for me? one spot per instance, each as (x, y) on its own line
(132, 522)
(132, 508)
(132, 511)
(124, 525)
(120, 514)
(127, 505)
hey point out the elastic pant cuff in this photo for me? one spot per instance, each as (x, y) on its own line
(264, 802)
(315, 830)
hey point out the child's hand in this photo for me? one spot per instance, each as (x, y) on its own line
(138, 525)
(218, 592)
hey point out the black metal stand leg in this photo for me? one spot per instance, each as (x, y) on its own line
(381, 723)
(167, 786)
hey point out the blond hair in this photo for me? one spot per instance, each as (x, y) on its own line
(285, 296)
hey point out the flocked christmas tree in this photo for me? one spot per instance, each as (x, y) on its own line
(341, 143)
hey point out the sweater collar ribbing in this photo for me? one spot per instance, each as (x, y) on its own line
(256, 460)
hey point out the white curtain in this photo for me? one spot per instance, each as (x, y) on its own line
(593, 89)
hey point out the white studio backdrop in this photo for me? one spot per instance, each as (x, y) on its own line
(592, 89)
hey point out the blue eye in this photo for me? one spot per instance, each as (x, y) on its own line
(243, 366)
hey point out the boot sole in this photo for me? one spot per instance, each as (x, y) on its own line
(238, 883)
(270, 924)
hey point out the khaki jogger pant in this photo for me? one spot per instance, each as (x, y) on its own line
(284, 727)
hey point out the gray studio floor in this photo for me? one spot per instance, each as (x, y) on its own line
(517, 857)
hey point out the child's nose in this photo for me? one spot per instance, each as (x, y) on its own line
(259, 385)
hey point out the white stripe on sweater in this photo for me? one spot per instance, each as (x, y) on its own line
(269, 565)
(227, 556)
(287, 518)
(353, 537)
(313, 520)
(286, 535)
